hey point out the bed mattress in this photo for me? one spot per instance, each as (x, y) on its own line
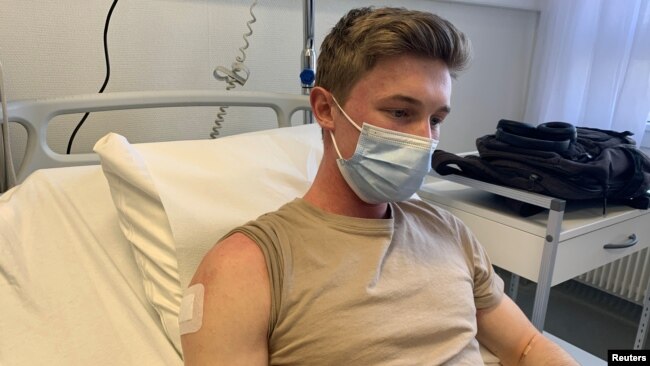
(70, 292)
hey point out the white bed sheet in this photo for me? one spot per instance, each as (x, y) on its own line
(70, 292)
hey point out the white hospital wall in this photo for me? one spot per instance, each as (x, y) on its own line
(54, 48)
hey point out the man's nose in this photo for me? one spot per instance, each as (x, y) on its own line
(425, 129)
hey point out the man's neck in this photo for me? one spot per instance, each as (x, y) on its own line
(331, 193)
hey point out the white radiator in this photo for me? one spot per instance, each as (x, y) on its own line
(627, 277)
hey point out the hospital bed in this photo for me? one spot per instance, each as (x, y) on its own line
(95, 248)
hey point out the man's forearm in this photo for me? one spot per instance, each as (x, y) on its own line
(543, 352)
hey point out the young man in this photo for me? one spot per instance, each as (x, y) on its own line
(356, 272)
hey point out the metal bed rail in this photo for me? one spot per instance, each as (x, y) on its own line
(36, 114)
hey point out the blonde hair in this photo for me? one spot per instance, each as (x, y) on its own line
(365, 35)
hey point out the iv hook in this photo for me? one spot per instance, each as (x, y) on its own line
(238, 73)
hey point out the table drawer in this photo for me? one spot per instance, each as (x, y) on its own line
(585, 252)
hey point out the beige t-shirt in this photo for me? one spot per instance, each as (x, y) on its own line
(351, 291)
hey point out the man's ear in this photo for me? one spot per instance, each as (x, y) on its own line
(322, 106)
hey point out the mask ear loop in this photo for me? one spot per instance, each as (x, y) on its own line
(349, 120)
(346, 115)
(335, 145)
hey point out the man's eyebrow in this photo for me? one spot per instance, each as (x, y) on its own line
(414, 101)
(445, 109)
(403, 98)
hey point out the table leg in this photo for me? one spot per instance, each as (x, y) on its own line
(544, 281)
(513, 288)
(642, 331)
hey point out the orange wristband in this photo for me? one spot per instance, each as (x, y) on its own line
(529, 346)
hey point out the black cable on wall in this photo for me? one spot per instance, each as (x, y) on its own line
(108, 75)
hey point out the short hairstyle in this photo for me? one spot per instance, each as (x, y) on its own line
(365, 35)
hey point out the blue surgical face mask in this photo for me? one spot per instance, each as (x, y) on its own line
(387, 166)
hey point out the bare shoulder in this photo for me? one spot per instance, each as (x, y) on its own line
(236, 306)
(235, 255)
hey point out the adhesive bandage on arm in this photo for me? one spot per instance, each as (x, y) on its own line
(190, 316)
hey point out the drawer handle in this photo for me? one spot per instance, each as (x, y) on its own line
(631, 240)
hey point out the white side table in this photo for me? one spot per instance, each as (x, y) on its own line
(547, 248)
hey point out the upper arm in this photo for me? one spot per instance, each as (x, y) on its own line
(236, 306)
(505, 330)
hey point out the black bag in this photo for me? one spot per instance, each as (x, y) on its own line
(558, 160)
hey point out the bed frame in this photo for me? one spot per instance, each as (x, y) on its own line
(36, 114)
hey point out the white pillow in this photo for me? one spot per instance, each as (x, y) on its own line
(144, 223)
(176, 199)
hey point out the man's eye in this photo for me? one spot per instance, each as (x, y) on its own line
(398, 113)
(434, 121)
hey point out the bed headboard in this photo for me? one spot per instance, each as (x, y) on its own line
(35, 115)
